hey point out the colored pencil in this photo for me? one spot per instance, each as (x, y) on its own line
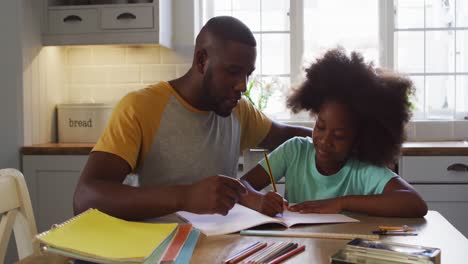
(266, 252)
(284, 250)
(248, 253)
(229, 260)
(254, 256)
(287, 255)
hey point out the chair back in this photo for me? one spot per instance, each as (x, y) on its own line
(16, 214)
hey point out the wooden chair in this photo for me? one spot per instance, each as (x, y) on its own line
(16, 214)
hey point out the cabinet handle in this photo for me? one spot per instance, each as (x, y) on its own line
(458, 167)
(72, 19)
(126, 15)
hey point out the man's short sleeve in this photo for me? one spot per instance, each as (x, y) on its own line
(134, 123)
(123, 134)
(254, 124)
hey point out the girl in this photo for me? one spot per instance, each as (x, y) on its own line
(360, 114)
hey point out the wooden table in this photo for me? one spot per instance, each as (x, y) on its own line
(433, 231)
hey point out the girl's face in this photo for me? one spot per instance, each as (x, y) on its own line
(333, 137)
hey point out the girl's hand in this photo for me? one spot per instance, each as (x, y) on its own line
(272, 204)
(327, 206)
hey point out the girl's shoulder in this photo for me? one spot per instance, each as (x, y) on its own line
(368, 169)
(299, 142)
(295, 146)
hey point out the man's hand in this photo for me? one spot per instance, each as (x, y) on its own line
(213, 195)
(327, 206)
(271, 204)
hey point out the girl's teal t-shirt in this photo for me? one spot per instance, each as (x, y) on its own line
(295, 160)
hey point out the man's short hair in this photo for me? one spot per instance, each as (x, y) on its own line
(230, 28)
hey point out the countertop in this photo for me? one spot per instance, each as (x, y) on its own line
(429, 148)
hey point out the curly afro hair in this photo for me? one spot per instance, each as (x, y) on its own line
(379, 101)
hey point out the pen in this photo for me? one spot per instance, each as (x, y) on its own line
(269, 172)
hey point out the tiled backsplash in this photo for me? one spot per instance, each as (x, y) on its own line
(104, 74)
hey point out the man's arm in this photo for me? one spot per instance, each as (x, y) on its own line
(279, 133)
(100, 186)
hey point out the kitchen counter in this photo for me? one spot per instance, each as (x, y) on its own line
(435, 148)
(428, 148)
(58, 149)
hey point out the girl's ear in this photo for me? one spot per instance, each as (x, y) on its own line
(201, 58)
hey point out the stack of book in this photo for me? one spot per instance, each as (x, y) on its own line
(97, 237)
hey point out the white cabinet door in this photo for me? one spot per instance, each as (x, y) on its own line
(51, 181)
(443, 183)
(450, 200)
(434, 169)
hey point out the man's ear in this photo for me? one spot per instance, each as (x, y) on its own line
(201, 60)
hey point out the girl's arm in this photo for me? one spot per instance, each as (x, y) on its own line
(398, 199)
(255, 180)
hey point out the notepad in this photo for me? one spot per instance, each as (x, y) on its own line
(241, 217)
(98, 237)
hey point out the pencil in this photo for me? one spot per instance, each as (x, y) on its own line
(269, 172)
(396, 228)
(287, 255)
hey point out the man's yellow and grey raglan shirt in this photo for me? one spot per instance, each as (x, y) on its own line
(167, 141)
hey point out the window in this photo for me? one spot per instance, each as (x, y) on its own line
(426, 39)
(431, 39)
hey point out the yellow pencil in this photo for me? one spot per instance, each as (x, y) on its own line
(396, 228)
(269, 172)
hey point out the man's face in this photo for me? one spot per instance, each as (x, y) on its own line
(226, 76)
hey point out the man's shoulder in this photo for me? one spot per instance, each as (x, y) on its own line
(149, 96)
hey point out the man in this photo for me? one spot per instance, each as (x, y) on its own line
(183, 137)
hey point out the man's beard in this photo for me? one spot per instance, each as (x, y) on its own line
(212, 101)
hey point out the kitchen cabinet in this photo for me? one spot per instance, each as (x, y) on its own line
(121, 23)
(443, 183)
(51, 181)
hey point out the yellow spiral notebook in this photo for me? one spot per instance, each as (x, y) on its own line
(97, 236)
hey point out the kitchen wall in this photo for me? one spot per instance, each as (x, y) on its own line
(103, 74)
(97, 74)
(10, 92)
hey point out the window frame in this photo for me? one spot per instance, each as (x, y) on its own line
(387, 52)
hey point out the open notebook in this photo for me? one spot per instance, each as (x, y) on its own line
(241, 217)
